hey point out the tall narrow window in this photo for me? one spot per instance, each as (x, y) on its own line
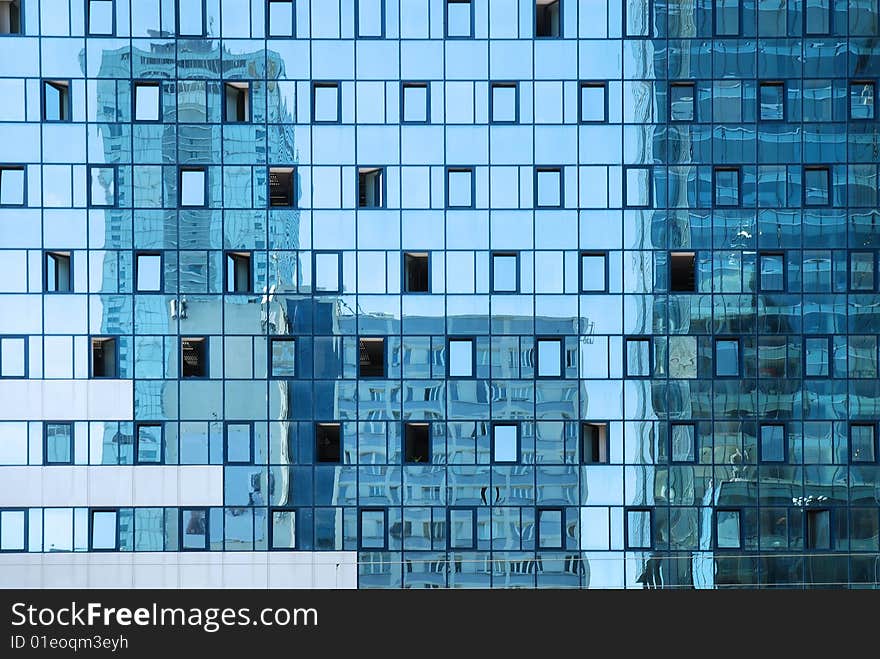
(371, 358)
(149, 437)
(504, 103)
(58, 446)
(327, 272)
(682, 272)
(459, 187)
(772, 271)
(594, 443)
(461, 358)
(100, 17)
(147, 100)
(283, 529)
(281, 186)
(682, 101)
(371, 187)
(416, 109)
(416, 272)
(817, 16)
(637, 187)
(104, 530)
(238, 272)
(594, 269)
(194, 529)
(505, 272)
(861, 99)
(505, 442)
(818, 531)
(548, 187)
(817, 356)
(727, 18)
(280, 17)
(772, 442)
(283, 357)
(417, 437)
(550, 528)
(682, 442)
(10, 17)
(459, 18)
(238, 101)
(239, 443)
(772, 100)
(12, 524)
(593, 101)
(194, 357)
(148, 272)
(727, 358)
(727, 529)
(549, 358)
(638, 357)
(462, 528)
(325, 103)
(11, 185)
(102, 186)
(372, 527)
(817, 186)
(727, 186)
(639, 528)
(370, 19)
(104, 357)
(548, 18)
(328, 442)
(193, 186)
(56, 100)
(191, 18)
(59, 276)
(862, 442)
(861, 271)
(13, 357)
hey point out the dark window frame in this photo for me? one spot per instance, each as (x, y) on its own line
(415, 84)
(251, 459)
(592, 84)
(638, 509)
(780, 84)
(862, 424)
(582, 458)
(137, 439)
(603, 254)
(232, 257)
(357, 22)
(473, 361)
(504, 84)
(517, 426)
(71, 443)
(545, 169)
(71, 273)
(65, 108)
(292, 34)
(739, 184)
(92, 512)
(462, 169)
(181, 528)
(135, 84)
(683, 84)
(404, 270)
(470, 3)
(327, 84)
(539, 542)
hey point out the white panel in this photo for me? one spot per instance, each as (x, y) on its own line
(60, 400)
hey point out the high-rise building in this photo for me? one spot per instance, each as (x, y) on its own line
(439, 293)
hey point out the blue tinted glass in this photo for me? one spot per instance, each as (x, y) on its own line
(727, 358)
(504, 99)
(415, 103)
(280, 18)
(458, 18)
(326, 103)
(772, 443)
(104, 530)
(238, 442)
(460, 188)
(59, 443)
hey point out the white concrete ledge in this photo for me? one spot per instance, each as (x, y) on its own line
(66, 400)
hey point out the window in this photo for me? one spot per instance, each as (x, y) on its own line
(726, 358)
(59, 275)
(193, 186)
(772, 101)
(328, 442)
(548, 19)
(727, 18)
(58, 447)
(727, 529)
(416, 272)
(861, 271)
(239, 443)
(238, 272)
(56, 100)
(281, 18)
(817, 184)
(104, 530)
(417, 437)
(283, 358)
(371, 187)
(149, 438)
(461, 358)
(191, 18)
(370, 19)
(682, 441)
(281, 186)
(549, 358)
(594, 268)
(505, 272)
(727, 101)
(462, 528)
(593, 102)
(818, 529)
(637, 18)
(102, 185)
(727, 186)
(372, 526)
(100, 17)
(550, 533)
(459, 18)
(194, 529)
(772, 445)
(148, 272)
(10, 17)
(11, 185)
(638, 528)
(371, 360)
(459, 187)
(194, 357)
(283, 529)
(104, 356)
(147, 101)
(594, 443)
(682, 272)
(548, 187)
(504, 103)
(817, 16)
(13, 357)
(682, 101)
(772, 268)
(328, 272)
(862, 442)
(325, 103)
(637, 187)
(12, 527)
(237, 107)
(505, 442)
(817, 353)
(861, 99)
(416, 108)
(638, 357)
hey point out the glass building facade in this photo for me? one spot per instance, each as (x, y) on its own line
(460, 293)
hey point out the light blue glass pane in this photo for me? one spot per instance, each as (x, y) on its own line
(727, 358)
(415, 103)
(460, 189)
(283, 358)
(505, 444)
(12, 364)
(284, 529)
(550, 528)
(458, 19)
(104, 530)
(372, 529)
(146, 103)
(101, 17)
(728, 533)
(461, 532)
(503, 103)
(58, 529)
(592, 103)
(461, 358)
(103, 192)
(326, 103)
(549, 188)
(149, 444)
(369, 18)
(281, 18)
(638, 357)
(12, 530)
(593, 273)
(504, 273)
(861, 100)
(238, 443)
(638, 529)
(58, 443)
(327, 272)
(549, 359)
(12, 186)
(190, 17)
(192, 192)
(149, 272)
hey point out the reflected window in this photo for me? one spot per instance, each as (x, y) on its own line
(328, 442)
(548, 187)
(862, 442)
(417, 439)
(148, 272)
(727, 190)
(504, 103)
(281, 186)
(147, 101)
(639, 528)
(817, 356)
(149, 438)
(283, 529)
(594, 268)
(11, 185)
(194, 357)
(550, 532)
(772, 268)
(637, 187)
(505, 442)
(459, 18)
(505, 272)
(371, 358)
(637, 18)
(10, 17)
(727, 358)
(861, 99)
(59, 272)
(238, 272)
(239, 443)
(12, 530)
(281, 17)
(13, 357)
(818, 531)
(549, 358)
(191, 18)
(817, 16)
(817, 186)
(104, 357)
(594, 443)
(370, 19)
(682, 441)
(727, 529)
(548, 18)
(593, 101)
(772, 442)
(371, 187)
(727, 96)
(58, 443)
(193, 186)
(283, 358)
(416, 109)
(372, 527)
(328, 272)
(461, 358)
(100, 17)
(727, 15)
(194, 529)
(416, 272)
(325, 103)
(102, 186)
(682, 272)
(638, 357)
(237, 106)
(462, 528)
(104, 530)
(460, 187)
(772, 101)
(56, 100)
(861, 271)
(817, 100)
(682, 101)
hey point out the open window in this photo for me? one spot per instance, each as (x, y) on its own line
(10, 17)
(59, 275)
(682, 272)
(371, 358)
(56, 100)
(147, 100)
(104, 357)
(548, 18)
(237, 96)
(371, 187)
(416, 272)
(194, 357)
(594, 443)
(328, 442)
(417, 437)
(281, 186)
(238, 272)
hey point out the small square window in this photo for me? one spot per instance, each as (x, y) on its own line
(683, 442)
(505, 272)
(682, 101)
(370, 19)
(817, 184)
(727, 192)
(861, 100)
(638, 357)
(818, 529)
(59, 272)
(194, 529)
(100, 17)
(372, 529)
(328, 442)
(817, 16)
(417, 437)
(550, 533)
(593, 102)
(639, 529)
(283, 529)
(239, 443)
(283, 358)
(194, 357)
(594, 443)
(148, 272)
(147, 101)
(10, 17)
(56, 100)
(772, 101)
(371, 358)
(548, 187)
(12, 530)
(727, 18)
(504, 103)
(861, 271)
(727, 529)
(191, 18)
(281, 18)
(505, 443)
(328, 275)
(11, 186)
(238, 272)
(726, 358)
(13, 357)
(371, 187)
(237, 108)
(149, 443)
(462, 525)
(548, 18)
(862, 442)
(460, 188)
(637, 187)
(594, 269)
(817, 357)
(104, 357)
(102, 186)
(549, 358)
(325, 103)
(104, 530)
(461, 358)
(459, 18)
(416, 109)
(59, 443)
(772, 447)
(772, 267)
(193, 187)
(682, 272)
(281, 186)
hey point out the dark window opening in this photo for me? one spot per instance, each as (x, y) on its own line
(594, 443)
(103, 357)
(416, 272)
(682, 275)
(328, 442)
(371, 359)
(418, 442)
(237, 101)
(58, 273)
(194, 357)
(56, 100)
(370, 187)
(238, 272)
(547, 18)
(281, 186)
(10, 17)
(818, 529)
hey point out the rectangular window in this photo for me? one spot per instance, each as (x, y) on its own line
(283, 529)
(727, 529)
(416, 109)
(148, 272)
(504, 103)
(862, 442)
(593, 101)
(861, 99)
(12, 526)
(11, 185)
(191, 18)
(281, 17)
(13, 357)
(682, 272)
(147, 101)
(727, 101)
(594, 443)
(639, 528)
(462, 528)
(461, 358)
(638, 357)
(637, 187)
(56, 100)
(817, 186)
(104, 357)
(550, 528)
(861, 271)
(328, 272)
(548, 187)
(459, 19)
(100, 17)
(237, 108)
(193, 186)
(548, 18)
(637, 18)
(460, 187)
(194, 529)
(505, 272)
(818, 529)
(325, 103)
(372, 524)
(727, 190)
(817, 353)
(682, 441)
(328, 442)
(549, 358)
(283, 358)
(416, 272)
(371, 361)
(505, 442)
(194, 357)
(59, 273)
(370, 19)
(281, 186)
(58, 446)
(726, 358)
(102, 186)
(238, 272)
(682, 101)
(817, 16)
(239, 443)
(727, 18)
(417, 437)
(104, 530)
(149, 437)
(10, 17)
(772, 442)
(371, 187)
(772, 269)
(594, 268)
(772, 101)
